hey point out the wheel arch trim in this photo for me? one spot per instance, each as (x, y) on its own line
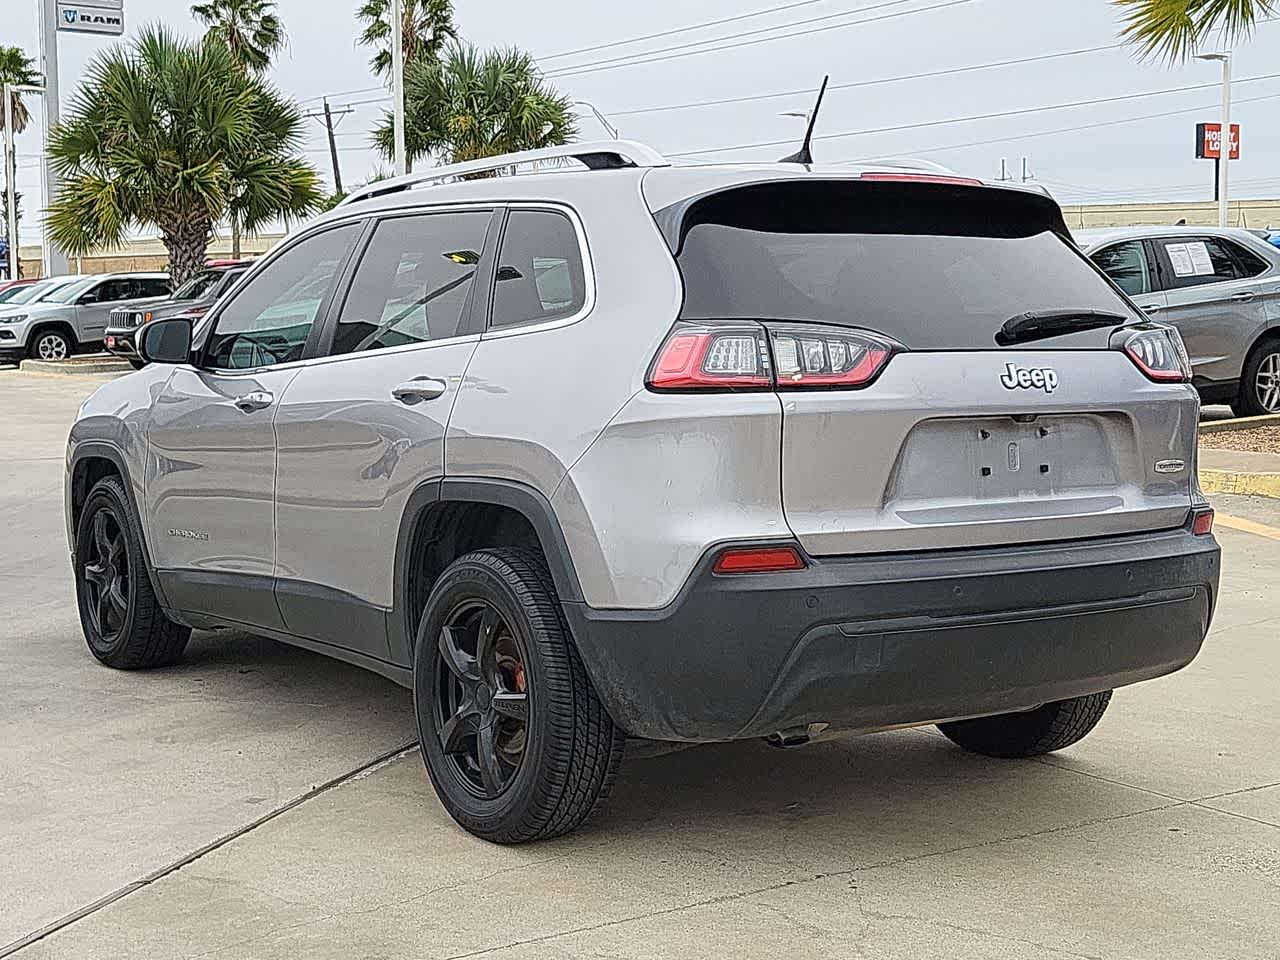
(105, 450)
(521, 498)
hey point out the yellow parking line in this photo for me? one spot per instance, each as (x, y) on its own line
(1248, 526)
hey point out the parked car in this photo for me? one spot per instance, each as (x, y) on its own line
(1220, 288)
(33, 292)
(680, 454)
(192, 299)
(73, 317)
(9, 288)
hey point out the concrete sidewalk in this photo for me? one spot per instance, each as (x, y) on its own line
(1240, 472)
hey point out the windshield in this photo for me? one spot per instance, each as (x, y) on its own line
(71, 291)
(197, 286)
(928, 268)
(33, 292)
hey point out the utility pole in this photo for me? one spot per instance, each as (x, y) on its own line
(1026, 172)
(55, 261)
(397, 85)
(1004, 171)
(326, 117)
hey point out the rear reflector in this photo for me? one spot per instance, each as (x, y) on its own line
(1202, 523)
(922, 178)
(759, 560)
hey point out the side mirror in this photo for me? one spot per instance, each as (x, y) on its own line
(88, 298)
(166, 341)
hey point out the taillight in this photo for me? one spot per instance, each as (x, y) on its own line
(715, 358)
(788, 356)
(807, 357)
(1158, 352)
(758, 560)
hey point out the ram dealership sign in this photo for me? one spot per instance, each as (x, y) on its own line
(92, 16)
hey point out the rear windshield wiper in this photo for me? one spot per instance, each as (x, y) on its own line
(1042, 324)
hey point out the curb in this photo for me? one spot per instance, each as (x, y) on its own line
(1240, 423)
(1242, 484)
(76, 368)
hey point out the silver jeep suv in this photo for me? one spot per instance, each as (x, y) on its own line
(667, 453)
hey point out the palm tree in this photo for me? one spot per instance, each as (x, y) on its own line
(1174, 30)
(249, 28)
(20, 70)
(168, 133)
(428, 26)
(471, 104)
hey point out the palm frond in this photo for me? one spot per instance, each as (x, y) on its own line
(1174, 30)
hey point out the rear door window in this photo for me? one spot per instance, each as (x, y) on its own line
(415, 282)
(540, 274)
(1126, 264)
(933, 268)
(1195, 261)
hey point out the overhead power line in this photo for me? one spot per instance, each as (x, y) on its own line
(952, 71)
(689, 29)
(1084, 126)
(637, 59)
(981, 116)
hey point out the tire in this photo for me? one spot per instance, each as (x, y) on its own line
(546, 774)
(119, 613)
(50, 344)
(1260, 382)
(1031, 734)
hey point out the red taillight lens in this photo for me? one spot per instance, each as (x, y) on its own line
(794, 357)
(1158, 352)
(1202, 523)
(716, 358)
(808, 357)
(758, 560)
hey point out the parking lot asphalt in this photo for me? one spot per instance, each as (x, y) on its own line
(241, 805)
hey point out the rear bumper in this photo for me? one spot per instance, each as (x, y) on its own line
(865, 643)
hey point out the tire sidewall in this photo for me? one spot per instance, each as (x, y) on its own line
(106, 495)
(1252, 403)
(533, 787)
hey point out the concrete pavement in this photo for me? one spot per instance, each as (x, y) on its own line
(1156, 837)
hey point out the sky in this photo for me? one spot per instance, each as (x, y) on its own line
(1127, 148)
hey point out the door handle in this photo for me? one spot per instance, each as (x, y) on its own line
(419, 389)
(1151, 308)
(1243, 297)
(251, 402)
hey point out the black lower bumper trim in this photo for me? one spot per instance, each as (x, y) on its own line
(872, 642)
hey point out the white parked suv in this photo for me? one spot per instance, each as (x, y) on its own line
(74, 316)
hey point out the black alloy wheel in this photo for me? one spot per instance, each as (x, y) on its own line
(106, 575)
(482, 703)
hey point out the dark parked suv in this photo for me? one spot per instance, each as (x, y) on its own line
(193, 299)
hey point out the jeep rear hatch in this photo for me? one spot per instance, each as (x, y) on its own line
(952, 371)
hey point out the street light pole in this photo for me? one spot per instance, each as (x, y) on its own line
(55, 261)
(1224, 141)
(397, 85)
(11, 171)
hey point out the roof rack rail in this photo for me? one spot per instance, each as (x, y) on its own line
(594, 155)
(906, 163)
